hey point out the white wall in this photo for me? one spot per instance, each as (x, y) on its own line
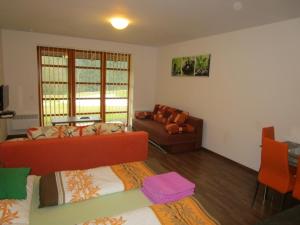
(3, 131)
(254, 82)
(20, 66)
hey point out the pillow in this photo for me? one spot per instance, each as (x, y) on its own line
(70, 131)
(163, 114)
(156, 107)
(90, 130)
(17, 211)
(108, 128)
(174, 128)
(13, 183)
(43, 132)
(143, 114)
(181, 118)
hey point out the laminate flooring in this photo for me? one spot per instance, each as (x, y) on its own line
(223, 187)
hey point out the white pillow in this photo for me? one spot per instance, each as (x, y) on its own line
(17, 212)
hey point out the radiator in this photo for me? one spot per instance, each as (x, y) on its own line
(20, 123)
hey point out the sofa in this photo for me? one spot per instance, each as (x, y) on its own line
(172, 129)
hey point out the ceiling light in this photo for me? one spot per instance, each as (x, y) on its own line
(237, 6)
(119, 23)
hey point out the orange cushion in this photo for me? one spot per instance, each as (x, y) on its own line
(143, 115)
(181, 118)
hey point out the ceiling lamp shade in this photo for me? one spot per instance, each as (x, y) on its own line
(119, 23)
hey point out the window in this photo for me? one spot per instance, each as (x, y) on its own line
(77, 82)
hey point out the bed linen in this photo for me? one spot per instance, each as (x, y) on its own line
(77, 185)
(186, 211)
(70, 214)
(16, 212)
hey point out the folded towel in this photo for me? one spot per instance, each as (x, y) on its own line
(158, 198)
(167, 187)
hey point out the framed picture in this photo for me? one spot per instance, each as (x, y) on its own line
(176, 66)
(188, 66)
(193, 66)
(202, 65)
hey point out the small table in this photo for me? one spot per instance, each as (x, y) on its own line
(75, 119)
(294, 153)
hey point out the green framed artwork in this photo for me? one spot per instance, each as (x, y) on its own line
(188, 66)
(176, 66)
(193, 66)
(202, 65)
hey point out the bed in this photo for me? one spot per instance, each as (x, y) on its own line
(50, 155)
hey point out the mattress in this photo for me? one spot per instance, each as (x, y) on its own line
(70, 214)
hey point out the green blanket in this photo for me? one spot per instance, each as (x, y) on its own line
(71, 214)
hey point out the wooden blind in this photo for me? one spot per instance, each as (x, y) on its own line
(81, 82)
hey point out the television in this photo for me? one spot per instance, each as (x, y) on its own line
(4, 98)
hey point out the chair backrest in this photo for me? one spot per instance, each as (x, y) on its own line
(296, 192)
(274, 170)
(268, 132)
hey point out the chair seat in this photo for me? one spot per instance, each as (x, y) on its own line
(278, 186)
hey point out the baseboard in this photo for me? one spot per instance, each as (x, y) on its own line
(231, 161)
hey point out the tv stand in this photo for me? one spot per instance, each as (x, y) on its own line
(7, 114)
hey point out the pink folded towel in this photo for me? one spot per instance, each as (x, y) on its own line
(167, 187)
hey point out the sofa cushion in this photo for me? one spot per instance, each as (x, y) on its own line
(164, 114)
(173, 128)
(181, 118)
(70, 131)
(43, 132)
(90, 130)
(108, 128)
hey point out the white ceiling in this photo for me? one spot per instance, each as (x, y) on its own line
(153, 22)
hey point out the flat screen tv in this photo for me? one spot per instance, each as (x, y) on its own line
(4, 100)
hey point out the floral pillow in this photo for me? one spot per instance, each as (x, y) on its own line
(70, 131)
(43, 132)
(108, 128)
(90, 130)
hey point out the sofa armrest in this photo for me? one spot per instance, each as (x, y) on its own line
(198, 125)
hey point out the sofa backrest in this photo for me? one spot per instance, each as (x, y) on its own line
(49, 155)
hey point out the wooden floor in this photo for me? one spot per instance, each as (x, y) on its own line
(223, 187)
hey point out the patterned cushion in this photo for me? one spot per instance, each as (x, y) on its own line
(43, 132)
(163, 114)
(74, 131)
(143, 114)
(70, 131)
(174, 128)
(108, 128)
(180, 118)
(90, 130)
(155, 110)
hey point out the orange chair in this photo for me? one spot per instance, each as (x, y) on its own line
(296, 191)
(268, 132)
(274, 170)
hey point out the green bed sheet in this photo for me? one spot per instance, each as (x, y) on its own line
(70, 214)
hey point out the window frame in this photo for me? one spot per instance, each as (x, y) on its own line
(71, 82)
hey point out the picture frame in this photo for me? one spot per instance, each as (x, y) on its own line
(191, 66)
